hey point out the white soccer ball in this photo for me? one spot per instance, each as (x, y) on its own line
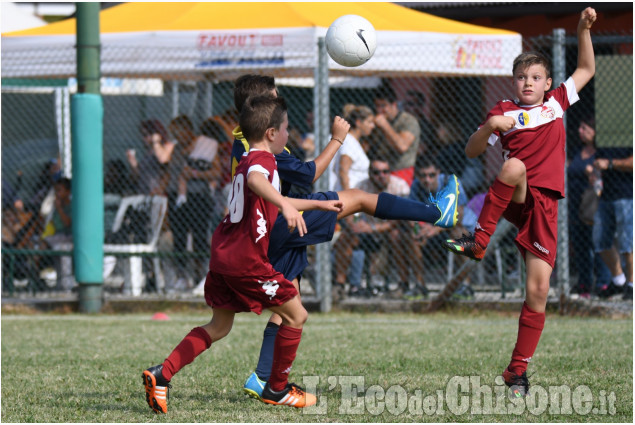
(351, 40)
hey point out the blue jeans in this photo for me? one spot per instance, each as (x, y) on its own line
(613, 221)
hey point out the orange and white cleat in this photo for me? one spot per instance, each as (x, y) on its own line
(292, 395)
(157, 389)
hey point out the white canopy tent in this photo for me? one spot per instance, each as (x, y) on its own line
(224, 39)
(15, 18)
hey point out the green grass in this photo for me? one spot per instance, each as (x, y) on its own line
(80, 368)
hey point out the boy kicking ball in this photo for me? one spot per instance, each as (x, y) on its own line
(530, 182)
(240, 276)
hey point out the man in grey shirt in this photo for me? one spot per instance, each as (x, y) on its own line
(401, 133)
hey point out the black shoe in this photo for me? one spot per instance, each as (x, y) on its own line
(628, 292)
(157, 389)
(465, 246)
(609, 290)
(519, 384)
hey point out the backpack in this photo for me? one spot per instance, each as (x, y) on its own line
(135, 226)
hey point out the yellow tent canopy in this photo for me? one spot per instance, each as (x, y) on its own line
(153, 39)
(139, 17)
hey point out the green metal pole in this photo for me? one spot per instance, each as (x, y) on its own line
(87, 113)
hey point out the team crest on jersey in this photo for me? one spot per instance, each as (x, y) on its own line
(523, 119)
(547, 112)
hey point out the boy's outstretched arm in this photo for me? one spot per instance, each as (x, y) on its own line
(314, 204)
(477, 143)
(586, 58)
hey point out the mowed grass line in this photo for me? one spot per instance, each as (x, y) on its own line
(79, 368)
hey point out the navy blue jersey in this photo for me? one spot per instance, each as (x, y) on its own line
(291, 170)
(287, 251)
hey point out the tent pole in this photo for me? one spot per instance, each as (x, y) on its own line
(321, 107)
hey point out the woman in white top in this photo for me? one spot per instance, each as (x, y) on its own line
(350, 165)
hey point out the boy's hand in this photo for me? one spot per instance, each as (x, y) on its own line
(340, 128)
(587, 18)
(502, 123)
(335, 205)
(294, 219)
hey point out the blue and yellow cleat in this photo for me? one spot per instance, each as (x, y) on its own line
(447, 202)
(253, 386)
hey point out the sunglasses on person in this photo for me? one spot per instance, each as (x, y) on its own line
(378, 172)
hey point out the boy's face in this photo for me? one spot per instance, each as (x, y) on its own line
(530, 84)
(280, 136)
(61, 192)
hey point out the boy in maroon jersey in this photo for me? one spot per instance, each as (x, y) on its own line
(531, 180)
(240, 276)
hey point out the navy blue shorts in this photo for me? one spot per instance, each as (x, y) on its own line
(287, 251)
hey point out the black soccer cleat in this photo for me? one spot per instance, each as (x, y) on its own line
(157, 389)
(519, 384)
(466, 246)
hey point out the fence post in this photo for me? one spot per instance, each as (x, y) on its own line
(87, 112)
(562, 265)
(321, 107)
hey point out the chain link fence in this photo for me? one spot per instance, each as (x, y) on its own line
(168, 135)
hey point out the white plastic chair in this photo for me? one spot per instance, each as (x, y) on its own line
(134, 279)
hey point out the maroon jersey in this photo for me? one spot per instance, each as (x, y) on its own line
(241, 240)
(538, 138)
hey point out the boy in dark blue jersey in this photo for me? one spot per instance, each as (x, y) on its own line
(287, 250)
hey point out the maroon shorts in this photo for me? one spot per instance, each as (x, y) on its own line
(537, 223)
(240, 294)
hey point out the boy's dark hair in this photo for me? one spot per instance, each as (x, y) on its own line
(249, 85)
(527, 59)
(261, 113)
(64, 181)
(212, 129)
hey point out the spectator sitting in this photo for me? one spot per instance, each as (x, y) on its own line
(149, 174)
(424, 239)
(195, 204)
(369, 233)
(400, 131)
(350, 164)
(58, 232)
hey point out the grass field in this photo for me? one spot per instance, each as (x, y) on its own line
(78, 368)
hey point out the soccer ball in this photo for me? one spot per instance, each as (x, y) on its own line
(351, 40)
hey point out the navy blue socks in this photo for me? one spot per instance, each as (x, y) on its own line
(391, 207)
(265, 361)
